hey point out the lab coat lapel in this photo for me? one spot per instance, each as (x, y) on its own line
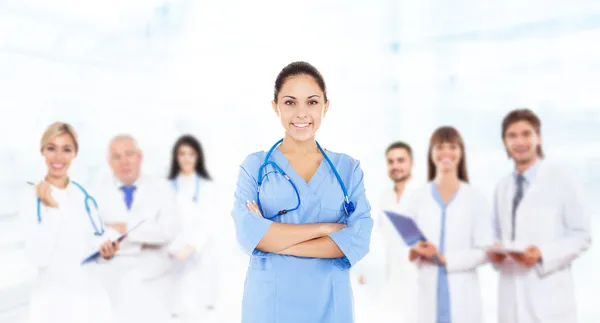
(527, 214)
(138, 206)
(526, 208)
(532, 193)
(505, 209)
(74, 202)
(119, 201)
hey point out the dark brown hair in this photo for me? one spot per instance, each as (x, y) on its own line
(299, 68)
(400, 145)
(523, 115)
(200, 167)
(442, 135)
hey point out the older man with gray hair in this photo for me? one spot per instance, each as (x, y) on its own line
(138, 277)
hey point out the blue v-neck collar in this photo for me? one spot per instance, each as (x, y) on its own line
(314, 182)
(437, 196)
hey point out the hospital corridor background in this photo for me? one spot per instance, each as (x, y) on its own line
(396, 70)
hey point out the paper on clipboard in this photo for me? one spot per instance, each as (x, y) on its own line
(122, 237)
(506, 249)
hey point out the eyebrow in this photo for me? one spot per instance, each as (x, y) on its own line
(55, 145)
(310, 97)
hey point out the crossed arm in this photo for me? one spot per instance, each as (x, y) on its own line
(302, 240)
(345, 243)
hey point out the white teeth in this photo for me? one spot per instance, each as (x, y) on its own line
(301, 125)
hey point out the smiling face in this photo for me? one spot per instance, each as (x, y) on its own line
(522, 142)
(301, 107)
(446, 156)
(125, 160)
(59, 151)
(399, 164)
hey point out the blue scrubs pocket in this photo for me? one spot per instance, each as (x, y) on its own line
(343, 299)
(331, 210)
(259, 303)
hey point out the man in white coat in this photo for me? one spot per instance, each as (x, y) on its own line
(400, 274)
(138, 278)
(540, 210)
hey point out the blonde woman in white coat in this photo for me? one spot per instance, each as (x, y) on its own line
(60, 232)
(457, 222)
(194, 253)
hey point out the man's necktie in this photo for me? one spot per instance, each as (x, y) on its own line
(128, 190)
(516, 200)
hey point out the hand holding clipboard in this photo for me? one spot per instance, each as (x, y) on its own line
(412, 235)
(122, 237)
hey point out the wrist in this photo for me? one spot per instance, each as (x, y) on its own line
(442, 259)
(324, 230)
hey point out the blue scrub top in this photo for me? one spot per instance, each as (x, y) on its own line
(291, 289)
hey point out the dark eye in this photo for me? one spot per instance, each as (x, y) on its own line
(289, 102)
(313, 102)
(50, 148)
(68, 150)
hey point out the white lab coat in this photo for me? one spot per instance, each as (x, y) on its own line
(64, 290)
(195, 280)
(400, 274)
(138, 278)
(468, 232)
(552, 216)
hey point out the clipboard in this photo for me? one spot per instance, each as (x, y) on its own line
(505, 250)
(408, 229)
(122, 237)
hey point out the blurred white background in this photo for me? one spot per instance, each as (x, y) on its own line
(395, 71)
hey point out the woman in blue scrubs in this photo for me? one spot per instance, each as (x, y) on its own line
(301, 232)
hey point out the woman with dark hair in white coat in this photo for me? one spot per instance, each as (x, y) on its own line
(62, 227)
(194, 252)
(457, 222)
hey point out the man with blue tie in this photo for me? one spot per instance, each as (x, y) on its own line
(138, 277)
(540, 212)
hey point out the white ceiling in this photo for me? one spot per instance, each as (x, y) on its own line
(87, 31)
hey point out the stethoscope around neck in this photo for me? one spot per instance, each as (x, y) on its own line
(98, 229)
(196, 187)
(348, 205)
